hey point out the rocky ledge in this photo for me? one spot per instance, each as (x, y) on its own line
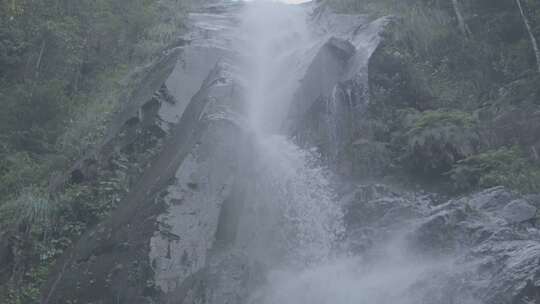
(488, 243)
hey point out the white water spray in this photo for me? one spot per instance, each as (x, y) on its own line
(291, 222)
(290, 218)
(272, 38)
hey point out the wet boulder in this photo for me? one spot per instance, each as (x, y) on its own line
(518, 211)
(490, 240)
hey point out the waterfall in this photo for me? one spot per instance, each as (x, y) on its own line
(291, 221)
(282, 233)
(292, 218)
(290, 203)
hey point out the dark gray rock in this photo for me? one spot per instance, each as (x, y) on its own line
(328, 105)
(489, 236)
(343, 48)
(491, 199)
(518, 211)
(533, 199)
(147, 248)
(378, 204)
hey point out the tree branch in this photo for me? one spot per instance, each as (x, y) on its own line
(534, 43)
(461, 21)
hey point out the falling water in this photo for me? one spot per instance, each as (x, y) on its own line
(292, 219)
(291, 204)
(292, 222)
(273, 38)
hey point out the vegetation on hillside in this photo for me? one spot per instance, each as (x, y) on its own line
(64, 66)
(455, 84)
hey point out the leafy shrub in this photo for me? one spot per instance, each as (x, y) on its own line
(64, 69)
(438, 139)
(33, 114)
(430, 119)
(32, 210)
(503, 167)
(425, 31)
(12, 293)
(92, 112)
(16, 171)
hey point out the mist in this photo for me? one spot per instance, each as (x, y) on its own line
(292, 204)
(269, 152)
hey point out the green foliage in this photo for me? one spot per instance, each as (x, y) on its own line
(32, 115)
(88, 120)
(55, 56)
(64, 68)
(427, 77)
(503, 167)
(48, 226)
(16, 171)
(425, 31)
(432, 119)
(438, 139)
(30, 292)
(32, 209)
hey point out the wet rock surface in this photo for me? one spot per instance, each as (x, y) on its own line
(333, 94)
(491, 237)
(149, 234)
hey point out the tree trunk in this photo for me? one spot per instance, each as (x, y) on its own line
(38, 63)
(535, 153)
(37, 67)
(534, 43)
(461, 21)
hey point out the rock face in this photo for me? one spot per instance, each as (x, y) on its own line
(160, 234)
(490, 238)
(334, 92)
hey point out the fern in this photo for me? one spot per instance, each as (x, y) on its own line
(32, 208)
(503, 167)
(437, 139)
